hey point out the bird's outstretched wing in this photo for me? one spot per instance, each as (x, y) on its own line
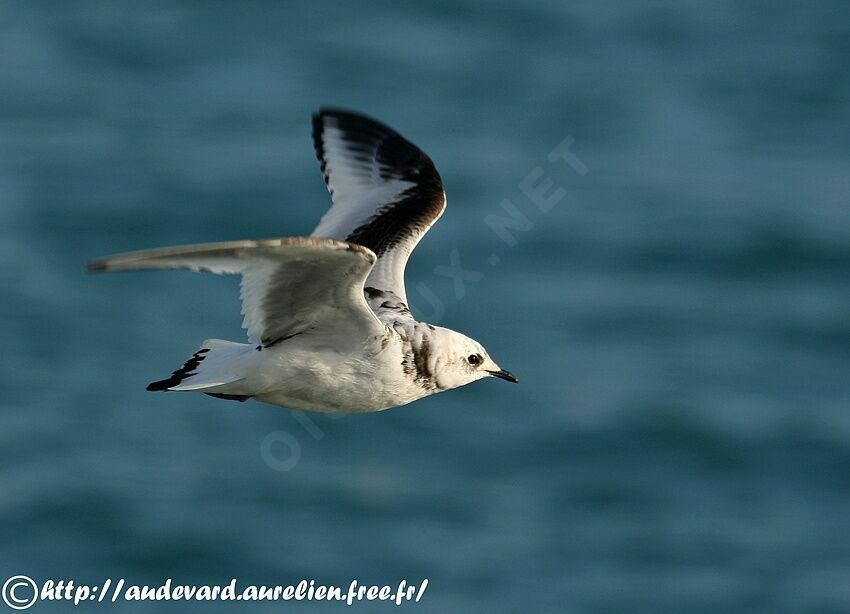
(386, 192)
(289, 286)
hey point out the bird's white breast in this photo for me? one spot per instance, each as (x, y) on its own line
(318, 377)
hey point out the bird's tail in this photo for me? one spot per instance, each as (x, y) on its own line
(216, 368)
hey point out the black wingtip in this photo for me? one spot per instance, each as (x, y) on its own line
(350, 121)
(318, 145)
(341, 112)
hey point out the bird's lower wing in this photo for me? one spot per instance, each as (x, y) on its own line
(289, 286)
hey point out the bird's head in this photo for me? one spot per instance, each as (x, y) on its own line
(462, 360)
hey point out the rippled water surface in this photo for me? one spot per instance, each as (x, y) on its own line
(680, 439)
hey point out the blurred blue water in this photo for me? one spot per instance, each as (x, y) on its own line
(680, 440)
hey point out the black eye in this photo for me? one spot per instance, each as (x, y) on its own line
(473, 359)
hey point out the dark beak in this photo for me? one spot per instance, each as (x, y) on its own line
(505, 375)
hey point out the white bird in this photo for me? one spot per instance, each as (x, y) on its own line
(327, 315)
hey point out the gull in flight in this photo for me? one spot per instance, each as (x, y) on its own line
(327, 315)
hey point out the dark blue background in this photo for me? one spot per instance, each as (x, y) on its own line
(680, 439)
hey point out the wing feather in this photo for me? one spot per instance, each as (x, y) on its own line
(386, 191)
(289, 285)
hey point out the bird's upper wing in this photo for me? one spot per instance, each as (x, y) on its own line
(386, 192)
(289, 286)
